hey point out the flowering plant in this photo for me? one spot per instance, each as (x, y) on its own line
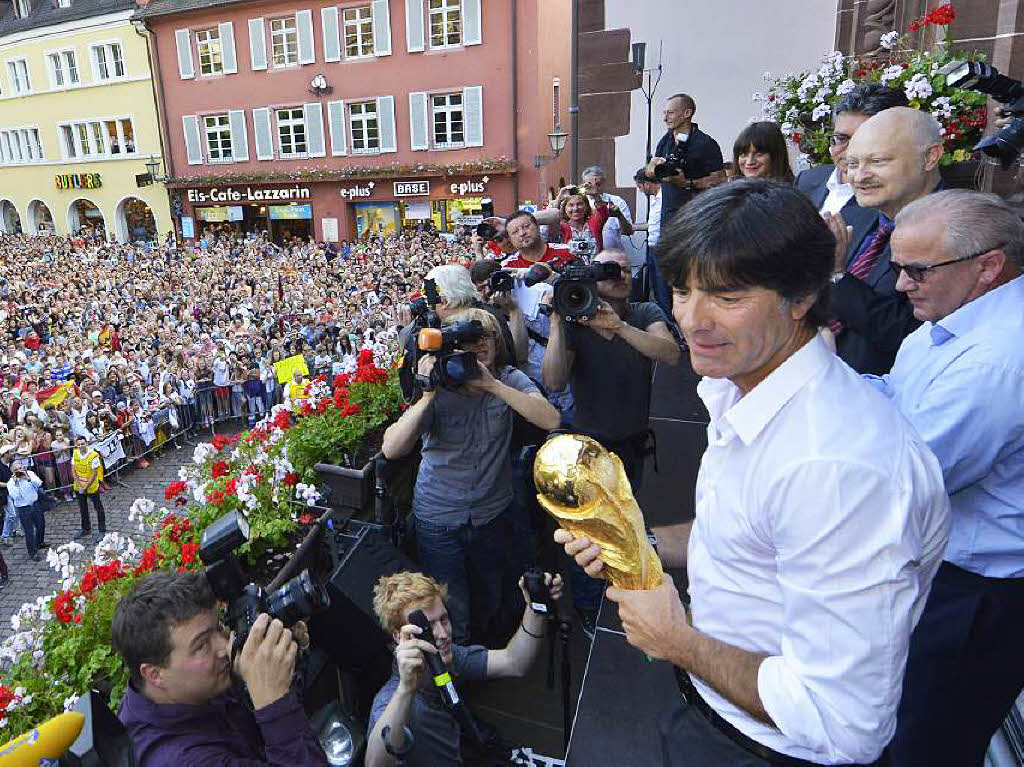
(61, 644)
(802, 104)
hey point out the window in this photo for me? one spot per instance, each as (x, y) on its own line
(358, 32)
(22, 8)
(63, 68)
(98, 138)
(208, 45)
(284, 42)
(449, 132)
(17, 76)
(445, 23)
(108, 60)
(20, 145)
(218, 137)
(291, 132)
(365, 128)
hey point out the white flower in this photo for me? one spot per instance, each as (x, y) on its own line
(891, 73)
(822, 96)
(308, 493)
(203, 451)
(787, 129)
(767, 76)
(140, 509)
(199, 493)
(918, 87)
(845, 87)
(889, 40)
(69, 702)
(941, 108)
(820, 111)
(758, 97)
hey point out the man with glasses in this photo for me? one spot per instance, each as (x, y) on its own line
(892, 160)
(959, 380)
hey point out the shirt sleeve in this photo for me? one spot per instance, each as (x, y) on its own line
(517, 379)
(847, 553)
(469, 663)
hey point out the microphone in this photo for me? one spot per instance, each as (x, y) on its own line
(442, 679)
(47, 741)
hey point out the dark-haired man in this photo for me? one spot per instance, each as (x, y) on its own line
(821, 515)
(180, 709)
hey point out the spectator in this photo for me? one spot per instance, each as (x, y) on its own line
(620, 221)
(760, 152)
(23, 489)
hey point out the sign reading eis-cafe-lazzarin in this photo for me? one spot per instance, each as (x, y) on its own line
(249, 194)
(78, 181)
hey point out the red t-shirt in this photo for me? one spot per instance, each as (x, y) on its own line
(556, 255)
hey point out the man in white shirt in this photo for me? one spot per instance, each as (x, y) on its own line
(613, 230)
(23, 490)
(821, 515)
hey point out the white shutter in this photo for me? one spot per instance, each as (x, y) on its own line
(473, 114)
(257, 44)
(304, 22)
(186, 70)
(419, 121)
(414, 25)
(471, 22)
(386, 118)
(239, 135)
(227, 47)
(332, 41)
(264, 139)
(193, 147)
(314, 114)
(381, 28)
(336, 121)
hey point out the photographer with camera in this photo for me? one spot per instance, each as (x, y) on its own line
(180, 708)
(23, 489)
(582, 224)
(409, 703)
(686, 162)
(464, 489)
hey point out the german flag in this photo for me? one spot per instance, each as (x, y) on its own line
(55, 395)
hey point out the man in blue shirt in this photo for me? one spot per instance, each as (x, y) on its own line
(959, 379)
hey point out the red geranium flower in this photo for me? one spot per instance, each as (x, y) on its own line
(941, 15)
(148, 560)
(283, 419)
(342, 379)
(350, 409)
(229, 486)
(220, 441)
(219, 469)
(365, 357)
(215, 498)
(64, 606)
(174, 489)
(188, 553)
(291, 479)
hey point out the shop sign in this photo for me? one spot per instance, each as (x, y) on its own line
(463, 219)
(463, 188)
(188, 227)
(248, 194)
(354, 192)
(290, 212)
(412, 188)
(229, 213)
(78, 181)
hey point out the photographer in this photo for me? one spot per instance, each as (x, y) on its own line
(464, 489)
(180, 708)
(23, 490)
(408, 703)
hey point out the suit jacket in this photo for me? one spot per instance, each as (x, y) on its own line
(812, 182)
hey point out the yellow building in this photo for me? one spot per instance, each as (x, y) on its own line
(78, 120)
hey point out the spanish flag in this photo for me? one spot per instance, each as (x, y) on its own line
(54, 395)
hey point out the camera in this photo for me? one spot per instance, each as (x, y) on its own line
(540, 597)
(1005, 145)
(298, 598)
(486, 232)
(422, 308)
(674, 164)
(501, 281)
(575, 295)
(454, 367)
(582, 249)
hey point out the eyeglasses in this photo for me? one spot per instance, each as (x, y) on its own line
(918, 273)
(837, 139)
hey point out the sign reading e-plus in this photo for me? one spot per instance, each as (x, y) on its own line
(412, 188)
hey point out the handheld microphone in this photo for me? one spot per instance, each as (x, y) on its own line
(438, 670)
(47, 741)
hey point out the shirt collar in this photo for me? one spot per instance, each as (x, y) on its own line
(973, 313)
(833, 183)
(749, 415)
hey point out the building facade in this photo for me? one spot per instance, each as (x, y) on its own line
(77, 120)
(330, 120)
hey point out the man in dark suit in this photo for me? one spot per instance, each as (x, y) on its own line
(891, 161)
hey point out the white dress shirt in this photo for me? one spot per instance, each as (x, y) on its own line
(821, 520)
(654, 219)
(611, 234)
(24, 492)
(838, 194)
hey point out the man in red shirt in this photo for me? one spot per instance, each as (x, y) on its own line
(524, 233)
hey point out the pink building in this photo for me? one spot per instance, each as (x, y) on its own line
(334, 118)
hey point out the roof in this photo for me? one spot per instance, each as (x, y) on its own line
(169, 7)
(45, 13)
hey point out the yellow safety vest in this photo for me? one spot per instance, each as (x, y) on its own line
(83, 469)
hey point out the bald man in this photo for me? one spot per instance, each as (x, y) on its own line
(892, 160)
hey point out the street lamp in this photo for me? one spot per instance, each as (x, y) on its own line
(557, 139)
(153, 168)
(318, 86)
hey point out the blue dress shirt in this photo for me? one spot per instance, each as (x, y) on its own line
(960, 382)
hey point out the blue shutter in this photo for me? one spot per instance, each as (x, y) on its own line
(239, 135)
(381, 28)
(193, 145)
(419, 122)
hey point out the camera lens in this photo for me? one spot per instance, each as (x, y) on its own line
(297, 599)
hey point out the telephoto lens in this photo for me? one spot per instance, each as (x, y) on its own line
(298, 598)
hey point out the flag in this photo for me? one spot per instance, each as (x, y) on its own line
(54, 395)
(285, 368)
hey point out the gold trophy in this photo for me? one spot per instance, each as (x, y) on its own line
(583, 485)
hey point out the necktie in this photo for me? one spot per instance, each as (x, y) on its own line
(865, 262)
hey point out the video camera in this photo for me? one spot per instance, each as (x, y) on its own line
(575, 295)
(423, 308)
(1006, 144)
(298, 598)
(454, 367)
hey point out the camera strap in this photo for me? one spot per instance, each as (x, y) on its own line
(534, 335)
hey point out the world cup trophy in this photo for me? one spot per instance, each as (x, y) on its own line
(583, 485)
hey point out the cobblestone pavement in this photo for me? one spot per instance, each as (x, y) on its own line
(33, 579)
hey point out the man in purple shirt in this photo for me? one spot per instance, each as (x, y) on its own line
(179, 708)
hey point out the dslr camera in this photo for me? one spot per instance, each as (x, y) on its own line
(501, 281)
(583, 249)
(1005, 145)
(575, 295)
(674, 164)
(454, 366)
(298, 598)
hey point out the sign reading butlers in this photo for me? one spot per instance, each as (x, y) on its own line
(249, 194)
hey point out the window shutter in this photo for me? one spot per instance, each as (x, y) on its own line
(471, 22)
(414, 25)
(193, 148)
(186, 70)
(314, 114)
(304, 22)
(381, 28)
(257, 44)
(386, 118)
(239, 135)
(227, 47)
(473, 114)
(264, 140)
(419, 121)
(332, 40)
(336, 121)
